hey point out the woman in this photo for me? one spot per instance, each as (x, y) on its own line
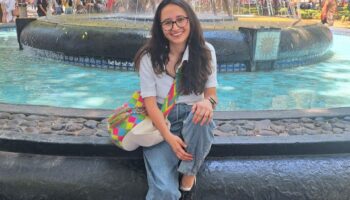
(177, 44)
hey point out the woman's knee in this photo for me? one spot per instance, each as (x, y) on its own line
(197, 127)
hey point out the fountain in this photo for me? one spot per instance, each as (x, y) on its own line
(111, 41)
(43, 166)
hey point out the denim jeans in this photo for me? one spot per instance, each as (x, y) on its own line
(162, 165)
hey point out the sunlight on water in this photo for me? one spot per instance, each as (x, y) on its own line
(27, 79)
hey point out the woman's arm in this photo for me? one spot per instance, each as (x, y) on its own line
(157, 117)
(203, 110)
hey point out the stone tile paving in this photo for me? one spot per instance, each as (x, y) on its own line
(54, 125)
(284, 127)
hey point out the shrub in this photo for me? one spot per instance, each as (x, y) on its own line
(310, 14)
(342, 15)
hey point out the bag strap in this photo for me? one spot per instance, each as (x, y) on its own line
(170, 100)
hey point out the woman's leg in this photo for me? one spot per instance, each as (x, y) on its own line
(162, 164)
(162, 176)
(199, 140)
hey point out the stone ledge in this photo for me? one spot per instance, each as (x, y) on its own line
(304, 177)
(218, 115)
(70, 145)
(56, 111)
(222, 147)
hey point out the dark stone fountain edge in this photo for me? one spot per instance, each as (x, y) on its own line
(224, 146)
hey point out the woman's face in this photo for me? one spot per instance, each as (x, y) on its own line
(175, 24)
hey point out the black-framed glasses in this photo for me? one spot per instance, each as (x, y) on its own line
(180, 22)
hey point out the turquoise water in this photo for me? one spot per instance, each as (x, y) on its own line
(27, 79)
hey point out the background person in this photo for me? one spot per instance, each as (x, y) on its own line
(68, 6)
(3, 11)
(42, 7)
(10, 6)
(58, 6)
(328, 10)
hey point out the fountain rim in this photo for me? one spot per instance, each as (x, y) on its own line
(142, 17)
(224, 146)
(139, 25)
(144, 23)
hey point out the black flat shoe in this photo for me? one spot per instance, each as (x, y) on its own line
(189, 195)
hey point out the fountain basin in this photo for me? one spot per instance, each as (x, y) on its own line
(114, 47)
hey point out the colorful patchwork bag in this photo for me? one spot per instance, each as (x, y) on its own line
(130, 127)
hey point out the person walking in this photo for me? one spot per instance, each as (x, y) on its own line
(328, 10)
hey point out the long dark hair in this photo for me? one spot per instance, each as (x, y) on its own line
(195, 72)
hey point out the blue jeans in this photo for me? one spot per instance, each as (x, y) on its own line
(162, 165)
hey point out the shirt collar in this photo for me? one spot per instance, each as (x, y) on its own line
(184, 57)
(186, 54)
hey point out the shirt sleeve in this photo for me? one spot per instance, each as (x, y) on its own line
(147, 77)
(212, 79)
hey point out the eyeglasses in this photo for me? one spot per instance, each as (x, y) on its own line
(180, 22)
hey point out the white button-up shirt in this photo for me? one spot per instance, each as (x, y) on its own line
(159, 85)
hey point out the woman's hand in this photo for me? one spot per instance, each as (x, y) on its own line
(157, 117)
(178, 146)
(203, 112)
